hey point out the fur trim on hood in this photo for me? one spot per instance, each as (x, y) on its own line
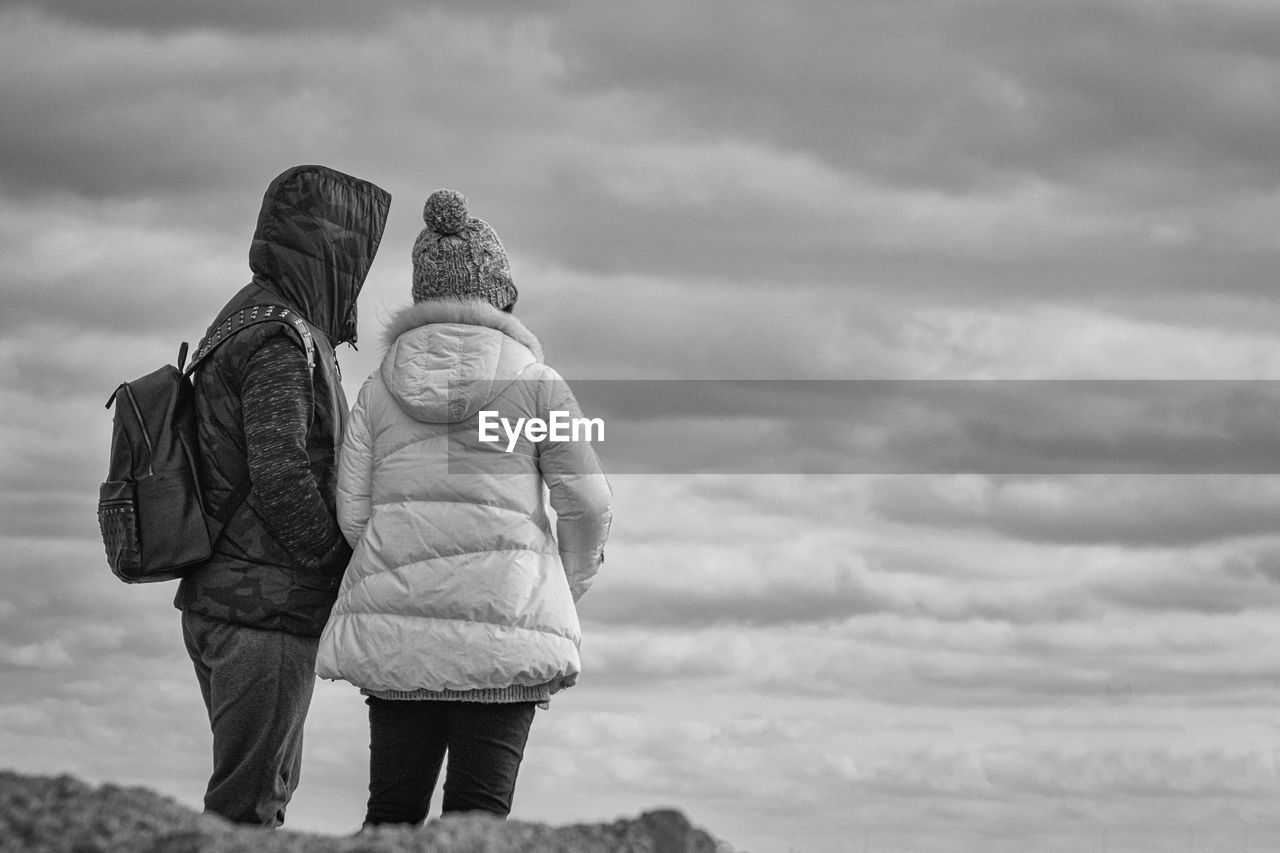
(470, 312)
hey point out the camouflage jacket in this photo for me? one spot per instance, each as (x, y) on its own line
(316, 238)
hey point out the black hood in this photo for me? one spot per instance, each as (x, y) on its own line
(317, 233)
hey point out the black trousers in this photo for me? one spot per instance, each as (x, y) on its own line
(257, 687)
(407, 745)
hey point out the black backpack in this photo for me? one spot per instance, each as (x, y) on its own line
(154, 522)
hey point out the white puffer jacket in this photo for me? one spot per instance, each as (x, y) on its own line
(457, 582)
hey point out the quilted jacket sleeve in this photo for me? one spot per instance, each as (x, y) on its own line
(579, 491)
(355, 470)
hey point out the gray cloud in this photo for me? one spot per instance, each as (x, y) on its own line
(203, 114)
(906, 427)
(1204, 594)
(1244, 580)
(703, 197)
(978, 191)
(782, 605)
(1111, 83)
(152, 16)
(959, 96)
(1130, 511)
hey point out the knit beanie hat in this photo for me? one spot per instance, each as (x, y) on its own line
(459, 257)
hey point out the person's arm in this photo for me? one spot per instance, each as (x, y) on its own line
(355, 471)
(579, 493)
(276, 394)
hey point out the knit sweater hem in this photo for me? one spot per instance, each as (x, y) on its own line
(515, 693)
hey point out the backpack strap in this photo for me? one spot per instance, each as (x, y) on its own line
(248, 316)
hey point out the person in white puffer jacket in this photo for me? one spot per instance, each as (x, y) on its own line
(456, 616)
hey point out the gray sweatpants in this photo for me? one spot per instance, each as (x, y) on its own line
(257, 686)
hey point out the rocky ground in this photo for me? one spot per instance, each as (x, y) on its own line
(64, 815)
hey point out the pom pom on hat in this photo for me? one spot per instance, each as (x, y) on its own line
(446, 212)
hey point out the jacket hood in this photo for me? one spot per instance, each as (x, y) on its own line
(317, 233)
(446, 359)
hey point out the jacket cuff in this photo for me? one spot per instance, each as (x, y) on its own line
(337, 556)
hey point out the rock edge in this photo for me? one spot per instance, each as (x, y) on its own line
(62, 814)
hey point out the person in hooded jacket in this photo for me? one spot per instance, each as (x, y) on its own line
(456, 616)
(271, 414)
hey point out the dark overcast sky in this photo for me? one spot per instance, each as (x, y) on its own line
(1006, 650)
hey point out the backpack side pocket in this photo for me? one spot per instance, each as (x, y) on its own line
(118, 519)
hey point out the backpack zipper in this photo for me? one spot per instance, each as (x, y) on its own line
(142, 425)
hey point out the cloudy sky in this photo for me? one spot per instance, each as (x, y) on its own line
(1032, 615)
